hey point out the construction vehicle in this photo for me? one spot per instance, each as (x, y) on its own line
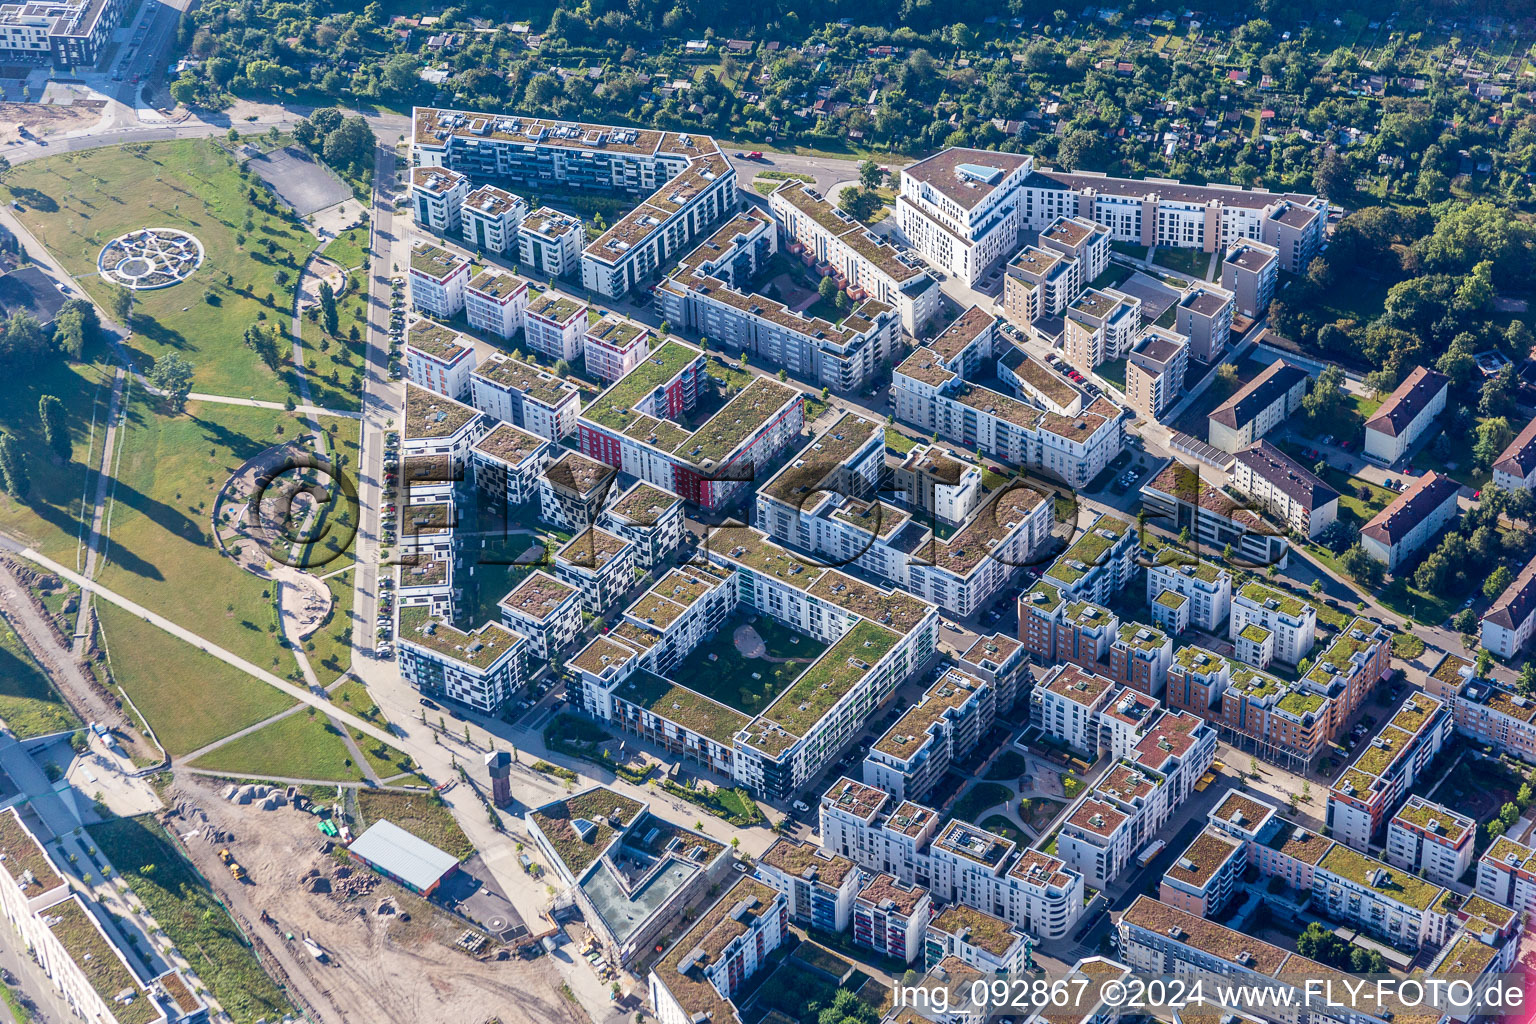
(234, 866)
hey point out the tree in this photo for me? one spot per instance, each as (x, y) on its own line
(1332, 178)
(69, 333)
(1526, 681)
(1317, 942)
(1497, 582)
(259, 340)
(55, 426)
(122, 304)
(827, 289)
(172, 375)
(350, 147)
(1484, 664)
(870, 174)
(13, 467)
(1326, 399)
(1491, 438)
(1361, 567)
(1465, 621)
(328, 314)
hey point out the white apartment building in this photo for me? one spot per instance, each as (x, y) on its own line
(1506, 874)
(819, 887)
(614, 346)
(438, 279)
(649, 518)
(1405, 415)
(490, 218)
(507, 463)
(1431, 840)
(863, 263)
(1291, 492)
(573, 490)
(439, 358)
(1102, 561)
(1516, 465)
(1208, 588)
(705, 965)
(494, 303)
(437, 194)
(890, 917)
(554, 325)
(1204, 316)
(545, 610)
(936, 732)
(1292, 620)
(482, 668)
(519, 393)
(976, 938)
(437, 425)
(549, 243)
(1068, 706)
(1251, 272)
(1413, 518)
(962, 208)
(1258, 407)
(1038, 383)
(1368, 792)
(1101, 327)
(1507, 627)
(1086, 242)
(599, 565)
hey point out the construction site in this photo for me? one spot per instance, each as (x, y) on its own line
(343, 939)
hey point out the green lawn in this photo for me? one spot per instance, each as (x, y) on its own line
(330, 647)
(898, 442)
(980, 797)
(162, 552)
(422, 815)
(49, 519)
(1009, 765)
(1461, 467)
(999, 825)
(189, 698)
(29, 705)
(177, 897)
(385, 760)
(1113, 372)
(1038, 811)
(729, 677)
(77, 202)
(305, 745)
(353, 697)
(347, 248)
(334, 362)
(1345, 424)
(1189, 262)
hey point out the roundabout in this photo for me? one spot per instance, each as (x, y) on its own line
(150, 258)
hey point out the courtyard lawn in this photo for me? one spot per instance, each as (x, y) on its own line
(422, 815)
(980, 797)
(29, 705)
(1038, 811)
(721, 672)
(162, 552)
(189, 698)
(1478, 787)
(1008, 765)
(75, 203)
(898, 442)
(334, 363)
(999, 825)
(330, 647)
(1113, 372)
(1348, 423)
(49, 518)
(304, 745)
(1189, 262)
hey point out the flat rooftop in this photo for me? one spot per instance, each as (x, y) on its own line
(479, 649)
(429, 415)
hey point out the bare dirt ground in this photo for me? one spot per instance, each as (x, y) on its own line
(382, 968)
(45, 118)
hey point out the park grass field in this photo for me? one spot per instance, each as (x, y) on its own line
(347, 248)
(29, 705)
(303, 745)
(75, 203)
(330, 647)
(189, 698)
(162, 552)
(50, 518)
(334, 360)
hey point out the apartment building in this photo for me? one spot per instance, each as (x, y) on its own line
(1039, 284)
(1347, 672)
(482, 668)
(1258, 407)
(545, 610)
(649, 518)
(1431, 840)
(1284, 723)
(439, 358)
(704, 966)
(437, 279)
(554, 325)
(1516, 465)
(862, 263)
(632, 426)
(1414, 518)
(1506, 874)
(1507, 626)
(1038, 383)
(1204, 316)
(507, 463)
(599, 565)
(1206, 875)
(437, 425)
(1388, 902)
(573, 490)
(1154, 372)
(890, 917)
(682, 182)
(819, 887)
(522, 394)
(1405, 415)
(491, 216)
(1293, 494)
(1101, 327)
(1139, 656)
(977, 939)
(1101, 562)
(1082, 240)
(963, 864)
(962, 210)
(999, 661)
(1208, 588)
(1369, 791)
(614, 346)
(1487, 714)
(72, 35)
(437, 195)
(1178, 499)
(494, 302)
(549, 243)
(1251, 272)
(703, 296)
(1152, 211)
(935, 733)
(1292, 621)
(1068, 703)
(634, 875)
